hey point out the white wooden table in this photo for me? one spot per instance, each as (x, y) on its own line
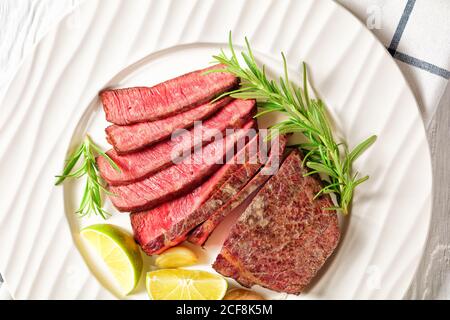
(432, 279)
(23, 23)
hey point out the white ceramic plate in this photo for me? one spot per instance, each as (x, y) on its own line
(52, 103)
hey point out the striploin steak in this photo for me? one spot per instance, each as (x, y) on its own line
(167, 227)
(148, 226)
(285, 236)
(139, 165)
(200, 234)
(126, 139)
(179, 178)
(140, 104)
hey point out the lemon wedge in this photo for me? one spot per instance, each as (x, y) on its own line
(180, 284)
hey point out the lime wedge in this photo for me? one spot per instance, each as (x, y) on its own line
(176, 257)
(180, 284)
(119, 251)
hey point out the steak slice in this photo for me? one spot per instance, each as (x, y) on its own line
(177, 179)
(201, 233)
(126, 139)
(285, 236)
(139, 165)
(148, 226)
(165, 228)
(140, 104)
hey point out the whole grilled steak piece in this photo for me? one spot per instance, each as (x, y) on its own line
(140, 104)
(139, 165)
(126, 139)
(179, 178)
(168, 225)
(285, 236)
(201, 233)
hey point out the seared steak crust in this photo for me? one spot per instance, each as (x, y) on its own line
(285, 236)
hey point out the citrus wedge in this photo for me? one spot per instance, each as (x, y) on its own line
(180, 284)
(176, 257)
(119, 252)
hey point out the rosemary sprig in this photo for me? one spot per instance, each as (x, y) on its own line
(92, 198)
(305, 115)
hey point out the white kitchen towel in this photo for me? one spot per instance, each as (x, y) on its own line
(416, 33)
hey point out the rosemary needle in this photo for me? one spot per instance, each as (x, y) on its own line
(305, 115)
(92, 200)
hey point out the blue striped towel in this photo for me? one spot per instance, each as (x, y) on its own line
(417, 34)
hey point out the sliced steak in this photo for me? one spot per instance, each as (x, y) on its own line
(139, 165)
(177, 179)
(165, 228)
(140, 104)
(200, 234)
(148, 226)
(285, 236)
(126, 139)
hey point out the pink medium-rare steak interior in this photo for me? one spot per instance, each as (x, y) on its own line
(140, 104)
(131, 138)
(202, 232)
(139, 165)
(150, 226)
(285, 236)
(177, 179)
(176, 223)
